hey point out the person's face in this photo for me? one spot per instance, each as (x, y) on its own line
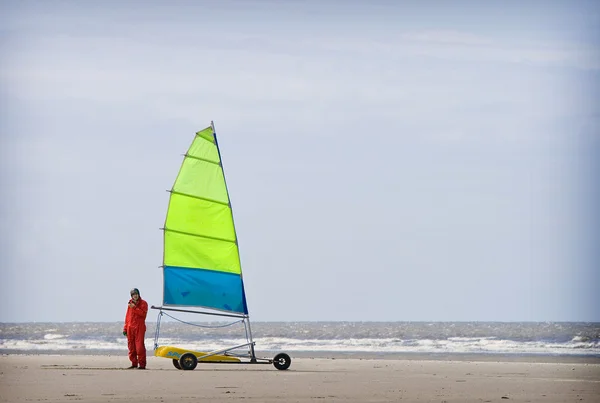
(135, 296)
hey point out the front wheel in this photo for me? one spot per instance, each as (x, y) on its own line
(176, 364)
(188, 361)
(282, 361)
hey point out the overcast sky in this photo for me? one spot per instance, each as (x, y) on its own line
(428, 161)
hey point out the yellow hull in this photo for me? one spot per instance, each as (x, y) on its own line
(175, 352)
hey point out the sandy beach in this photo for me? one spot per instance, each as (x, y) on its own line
(47, 378)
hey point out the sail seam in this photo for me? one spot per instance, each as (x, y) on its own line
(200, 236)
(199, 198)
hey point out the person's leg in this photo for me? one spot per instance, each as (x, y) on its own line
(140, 347)
(131, 345)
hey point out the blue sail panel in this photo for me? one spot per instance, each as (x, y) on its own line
(206, 288)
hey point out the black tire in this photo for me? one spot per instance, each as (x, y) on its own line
(188, 361)
(282, 361)
(176, 364)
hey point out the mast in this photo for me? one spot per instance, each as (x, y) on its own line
(246, 319)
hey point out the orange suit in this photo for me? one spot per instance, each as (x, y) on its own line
(135, 326)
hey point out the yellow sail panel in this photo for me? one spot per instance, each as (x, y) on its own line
(203, 253)
(214, 222)
(203, 179)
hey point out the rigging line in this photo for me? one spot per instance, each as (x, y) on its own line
(157, 331)
(205, 326)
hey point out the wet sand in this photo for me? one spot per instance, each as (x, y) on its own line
(53, 378)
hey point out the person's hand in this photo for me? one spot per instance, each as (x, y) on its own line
(124, 333)
(131, 305)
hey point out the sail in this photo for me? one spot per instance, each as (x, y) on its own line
(201, 265)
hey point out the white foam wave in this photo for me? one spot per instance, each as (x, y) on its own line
(489, 345)
(53, 336)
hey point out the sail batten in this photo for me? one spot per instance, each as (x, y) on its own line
(201, 262)
(202, 159)
(200, 198)
(200, 235)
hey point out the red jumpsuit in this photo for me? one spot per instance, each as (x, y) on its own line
(135, 326)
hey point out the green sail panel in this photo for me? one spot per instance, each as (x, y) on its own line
(201, 257)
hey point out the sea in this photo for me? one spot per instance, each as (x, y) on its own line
(315, 339)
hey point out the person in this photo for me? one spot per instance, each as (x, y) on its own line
(135, 329)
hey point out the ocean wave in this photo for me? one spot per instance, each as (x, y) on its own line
(343, 337)
(53, 336)
(351, 345)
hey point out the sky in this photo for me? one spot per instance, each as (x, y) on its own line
(386, 160)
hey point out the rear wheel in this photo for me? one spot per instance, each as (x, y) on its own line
(176, 364)
(282, 361)
(188, 361)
